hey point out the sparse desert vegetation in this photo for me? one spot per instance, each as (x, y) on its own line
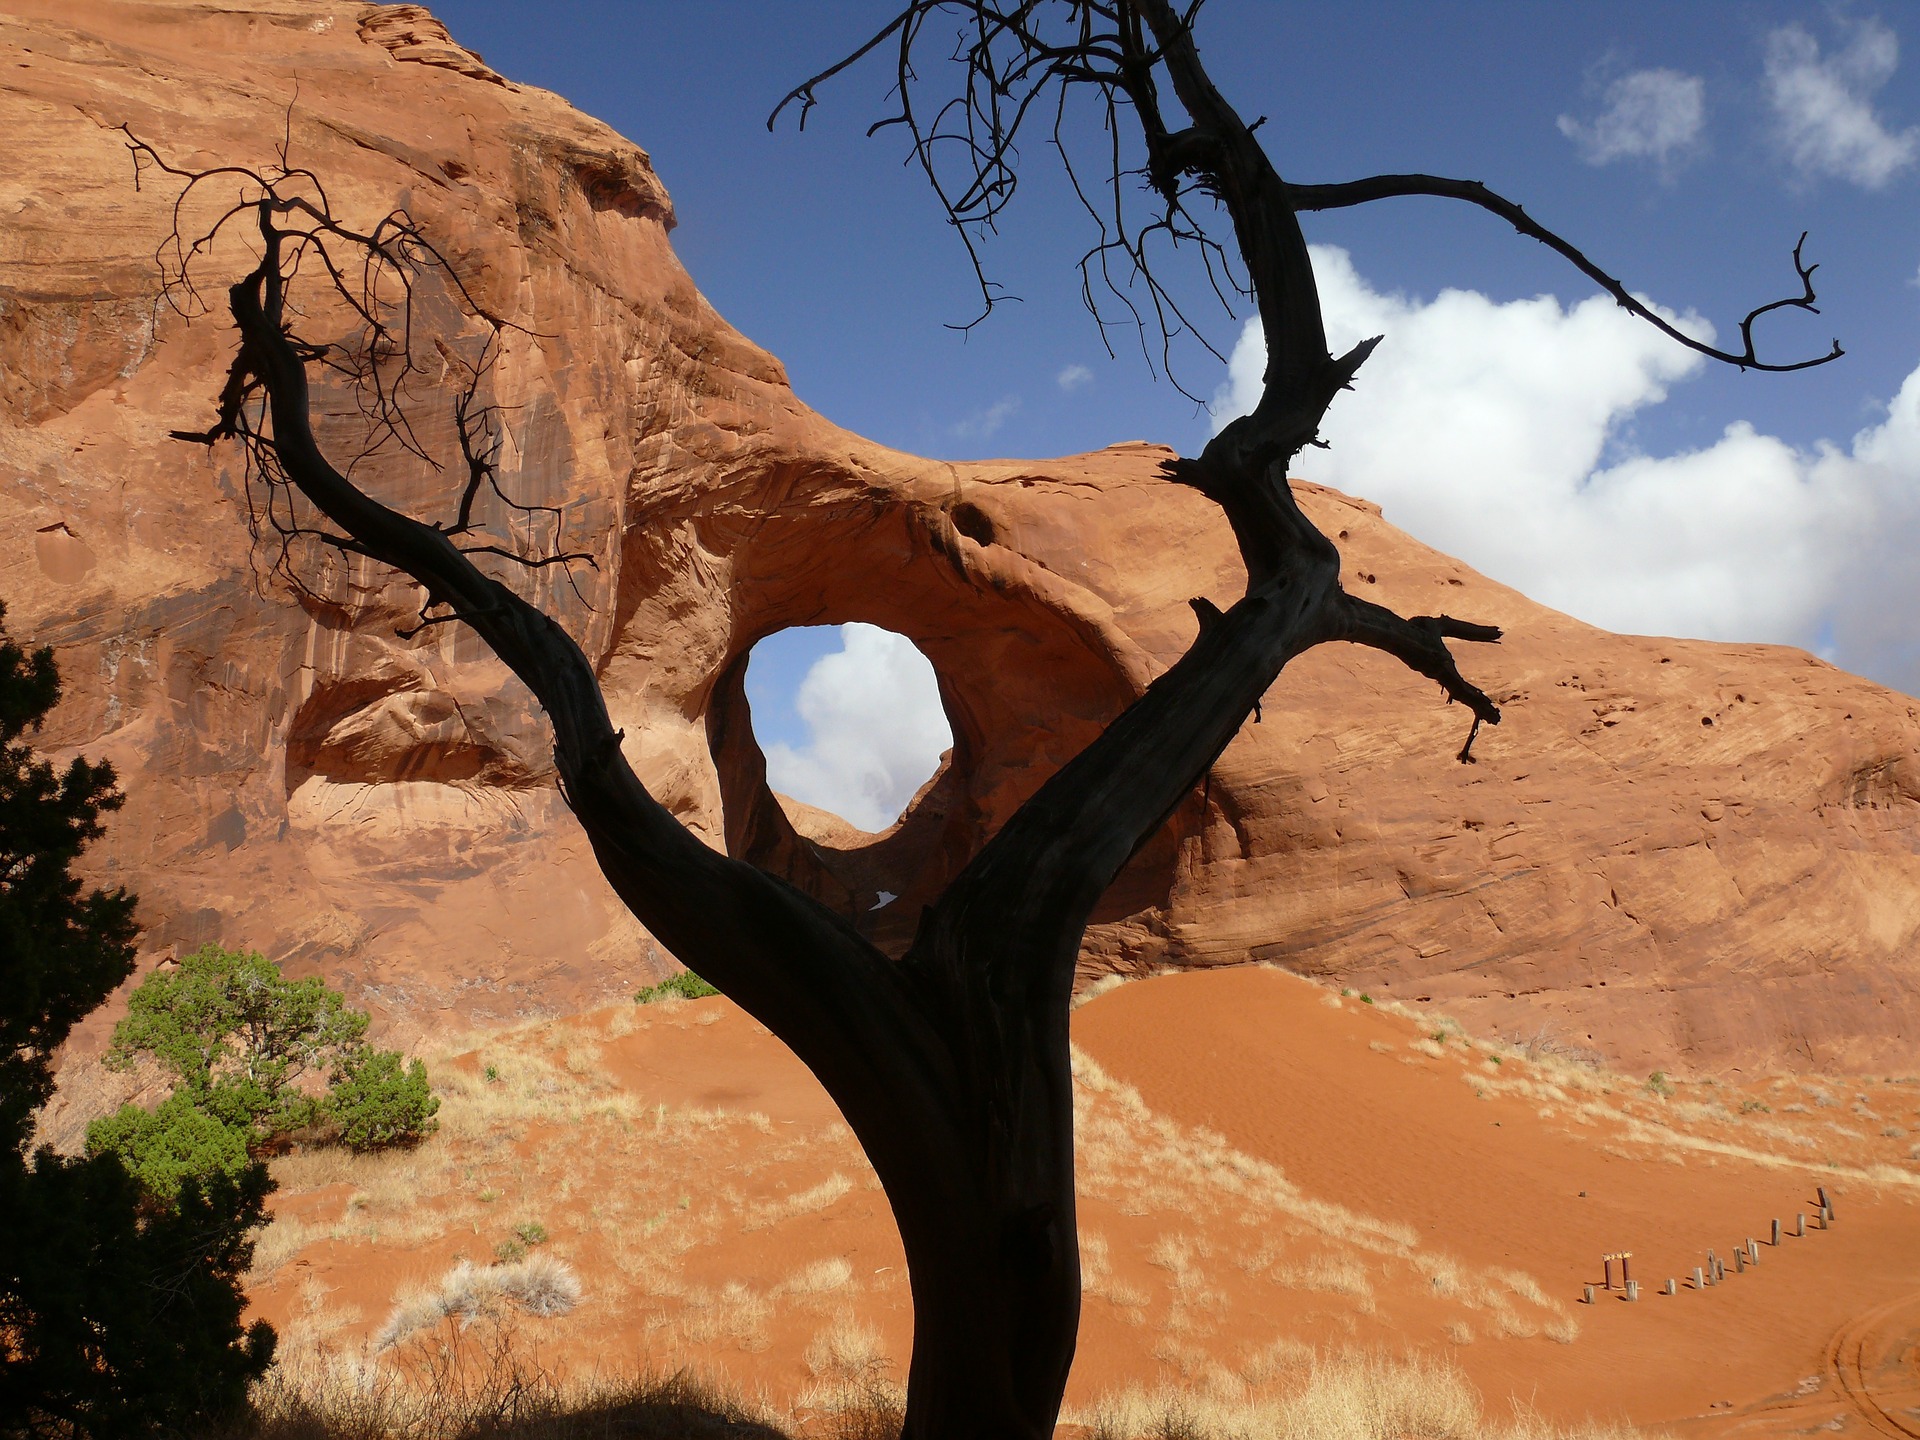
(485, 1389)
(684, 1227)
(610, 1186)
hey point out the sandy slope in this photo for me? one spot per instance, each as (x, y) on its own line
(1521, 1180)
(1265, 1169)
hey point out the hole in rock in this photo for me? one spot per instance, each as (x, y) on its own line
(849, 719)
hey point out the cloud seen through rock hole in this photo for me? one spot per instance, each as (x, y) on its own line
(875, 729)
(1497, 433)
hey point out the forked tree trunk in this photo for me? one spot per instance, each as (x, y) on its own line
(951, 1064)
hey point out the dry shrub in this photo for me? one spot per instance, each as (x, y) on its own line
(540, 1285)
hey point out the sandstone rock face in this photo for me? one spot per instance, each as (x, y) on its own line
(1671, 852)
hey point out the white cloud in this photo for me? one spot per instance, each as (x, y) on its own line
(1655, 114)
(876, 729)
(1821, 105)
(985, 424)
(1074, 377)
(1485, 429)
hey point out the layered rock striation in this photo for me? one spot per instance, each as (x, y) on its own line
(1671, 852)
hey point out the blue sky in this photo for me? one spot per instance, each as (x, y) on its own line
(1684, 146)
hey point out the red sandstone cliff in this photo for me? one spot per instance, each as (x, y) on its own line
(1671, 850)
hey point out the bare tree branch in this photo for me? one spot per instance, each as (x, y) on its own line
(1381, 187)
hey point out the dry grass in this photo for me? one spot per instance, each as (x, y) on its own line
(1350, 1397)
(1148, 1162)
(489, 1388)
(852, 1377)
(806, 1202)
(1331, 1274)
(1680, 1119)
(819, 1278)
(735, 1313)
(532, 1118)
(492, 1387)
(1231, 1204)
(694, 1178)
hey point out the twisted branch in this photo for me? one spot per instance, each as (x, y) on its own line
(374, 275)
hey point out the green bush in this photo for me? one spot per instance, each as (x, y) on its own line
(243, 1045)
(374, 1102)
(165, 1147)
(686, 986)
(237, 1037)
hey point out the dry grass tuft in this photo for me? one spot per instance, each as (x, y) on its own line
(833, 1188)
(1331, 1274)
(852, 1381)
(819, 1278)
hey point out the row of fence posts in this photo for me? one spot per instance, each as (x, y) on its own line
(1715, 1270)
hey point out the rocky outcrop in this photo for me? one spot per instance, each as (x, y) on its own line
(1671, 851)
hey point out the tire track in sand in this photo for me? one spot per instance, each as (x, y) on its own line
(1876, 1359)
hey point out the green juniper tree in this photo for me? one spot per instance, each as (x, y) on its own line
(119, 1315)
(238, 1041)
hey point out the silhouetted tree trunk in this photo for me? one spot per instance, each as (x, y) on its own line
(950, 1064)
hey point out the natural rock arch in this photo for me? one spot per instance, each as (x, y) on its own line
(1027, 678)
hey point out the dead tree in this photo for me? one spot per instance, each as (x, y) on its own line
(951, 1063)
